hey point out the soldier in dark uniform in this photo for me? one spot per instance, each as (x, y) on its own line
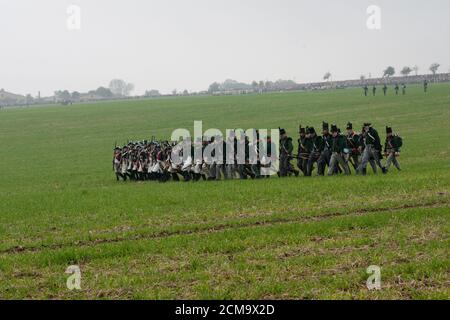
(404, 89)
(197, 162)
(372, 149)
(361, 151)
(374, 90)
(204, 169)
(425, 86)
(256, 167)
(396, 89)
(221, 159)
(325, 155)
(286, 148)
(353, 146)
(366, 89)
(230, 155)
(117, 162)
(211, 164)
(338, 148)
(316, 147)
(244, 168)
(303, 152)
(134, 162)
(385, 88)
(267, 161)
(392, 148)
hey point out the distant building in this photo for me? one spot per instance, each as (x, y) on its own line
(10, 99)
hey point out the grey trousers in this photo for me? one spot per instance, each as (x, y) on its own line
(220, 170)
(230, 170)
(392, 159)
(242, 171)
(302, 162)
(284, 165)
(256, 170)
(367, 156)
(313, 157)
(323, 161)
(355, 158)
(337, 158)
(212, 171)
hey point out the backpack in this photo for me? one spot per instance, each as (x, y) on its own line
(399, 141)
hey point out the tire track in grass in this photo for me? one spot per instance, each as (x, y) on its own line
(220, 227)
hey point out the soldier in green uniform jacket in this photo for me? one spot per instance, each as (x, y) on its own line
(325, 155)
(392, 148)
(230, 155)
(396, 89)
(222, 159)
(303, 153)
(366, 89)
(385, 88)
(372, 149)
(286, 148)
(254, 163)
(425, 86)
(338, 148)
(242, 158)
(269, 159)
(353, 140)
(374, 90)
(361, 151)
(308, 141)
(211, 164)
(316, 146)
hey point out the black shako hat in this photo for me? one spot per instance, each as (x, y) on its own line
(311, 130)
(325, 125)
(282, 131)
(334, 128)
(388, 130)
(349, 126)
(367, 124)
(301, 130)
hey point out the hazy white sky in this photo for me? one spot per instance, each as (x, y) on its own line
(168, 44)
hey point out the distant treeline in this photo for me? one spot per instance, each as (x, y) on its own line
(120, 90)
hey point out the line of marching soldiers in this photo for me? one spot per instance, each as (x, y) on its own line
(153, 160)
(331, 152)
(334, 152)
(396, 89)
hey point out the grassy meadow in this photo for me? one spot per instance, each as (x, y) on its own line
(293, 238)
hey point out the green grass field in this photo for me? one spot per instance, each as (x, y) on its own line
(293, 238)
